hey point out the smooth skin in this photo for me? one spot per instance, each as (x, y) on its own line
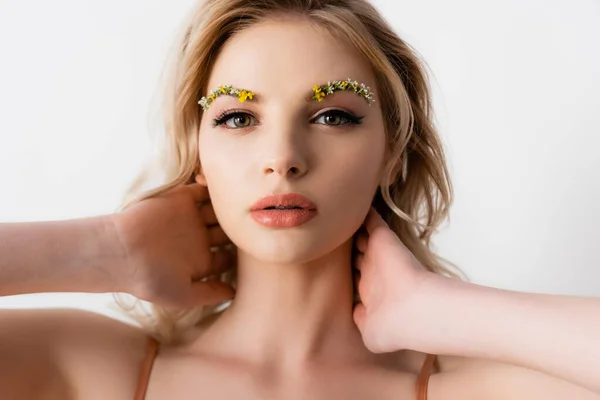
(291, 331)
(167, 244)
(77, 354)
(158, 250)
(405, 306)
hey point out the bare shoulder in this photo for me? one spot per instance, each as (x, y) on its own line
(475, 378)
(67, 351)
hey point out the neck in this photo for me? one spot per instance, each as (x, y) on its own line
(289, 315)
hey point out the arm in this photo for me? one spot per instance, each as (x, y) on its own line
(57, 256)
(555, 334)
(55, 353)
(477, 378)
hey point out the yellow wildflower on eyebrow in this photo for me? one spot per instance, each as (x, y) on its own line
(243, 95)
(320, 91)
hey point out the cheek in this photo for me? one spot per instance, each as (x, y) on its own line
(354, 170)
(224, 166)
(218, 159)
(351, 183)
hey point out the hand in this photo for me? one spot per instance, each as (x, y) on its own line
(167, 241)
(389, 285)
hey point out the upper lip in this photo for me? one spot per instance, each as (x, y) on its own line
(285, 200)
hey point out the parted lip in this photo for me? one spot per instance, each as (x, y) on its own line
(284, 200)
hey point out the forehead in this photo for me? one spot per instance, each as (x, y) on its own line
(283, 60)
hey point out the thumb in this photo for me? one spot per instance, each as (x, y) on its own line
(373, 220)
(203, 293)
(359, 315)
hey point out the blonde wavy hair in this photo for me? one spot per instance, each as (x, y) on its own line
(416, 185)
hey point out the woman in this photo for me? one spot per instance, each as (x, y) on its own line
(291, 124)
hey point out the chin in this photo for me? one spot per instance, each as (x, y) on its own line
(289, 250)
(288, 247)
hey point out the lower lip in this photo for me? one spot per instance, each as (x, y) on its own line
(283, 218)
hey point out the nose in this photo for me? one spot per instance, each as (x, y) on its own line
(285, 153)
(288, 165)
(285, 148)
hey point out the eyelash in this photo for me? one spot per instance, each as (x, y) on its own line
(229, 114)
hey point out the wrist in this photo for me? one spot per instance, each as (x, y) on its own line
(464, 317)
(443, 311)
(95, 258)
(110, 256)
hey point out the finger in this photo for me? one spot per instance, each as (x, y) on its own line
(208, 214)
(217, 237)
(356, 279)
(360, 241)
(358, 260)
(373, 220)
(199, 192)
(210, 293)
(220, 261)
(359, 315)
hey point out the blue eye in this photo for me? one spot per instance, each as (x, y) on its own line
(332, 118)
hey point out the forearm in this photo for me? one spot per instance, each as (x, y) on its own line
(57, 256)
(554, 334)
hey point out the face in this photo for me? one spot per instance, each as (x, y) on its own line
(282, 141)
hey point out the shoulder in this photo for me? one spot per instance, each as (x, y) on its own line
(69, 352)
(476, 378)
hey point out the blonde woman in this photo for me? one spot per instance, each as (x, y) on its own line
(285, 256)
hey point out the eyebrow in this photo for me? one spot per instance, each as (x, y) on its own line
(318, 92)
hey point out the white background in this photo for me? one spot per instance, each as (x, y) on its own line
(516, 93)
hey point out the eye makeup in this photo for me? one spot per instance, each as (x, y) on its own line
(349, 118)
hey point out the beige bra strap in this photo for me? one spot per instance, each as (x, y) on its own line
(423, 380)
(151, 350)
